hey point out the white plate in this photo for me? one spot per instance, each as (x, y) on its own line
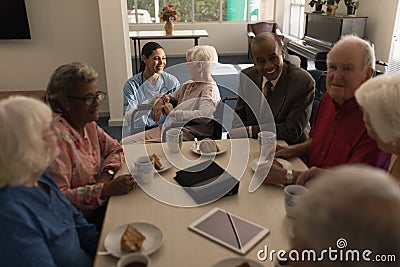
(222, 149)
(153, 241)
(232, 262)
(165, 163)
(286, 164)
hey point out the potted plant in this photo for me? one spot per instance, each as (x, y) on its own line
(351, 6)
(331, 6)
(169, 15)
(318, 4)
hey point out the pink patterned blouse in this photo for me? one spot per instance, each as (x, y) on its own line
(77, 167)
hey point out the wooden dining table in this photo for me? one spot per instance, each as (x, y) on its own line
(182, 247)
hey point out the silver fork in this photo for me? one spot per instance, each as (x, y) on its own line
(197, 145)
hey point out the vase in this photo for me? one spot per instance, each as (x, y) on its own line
(169, 27)
(351, 11)
(318, 8)
(331, 10)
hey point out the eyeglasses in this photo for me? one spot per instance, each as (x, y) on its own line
(89, 100)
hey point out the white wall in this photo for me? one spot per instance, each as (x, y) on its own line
(62, 32)
(380, 25)
(66, 31)
(117, 56)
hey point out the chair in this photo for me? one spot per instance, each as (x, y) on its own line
(314, 110)
(253, 29)
(141, 110)
(218, 119)
(320, 82)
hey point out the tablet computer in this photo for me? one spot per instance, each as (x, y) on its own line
(229, 230)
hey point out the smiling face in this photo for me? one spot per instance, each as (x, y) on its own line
(156, 62)
(77, 112)
(346, 71)
(268, 58)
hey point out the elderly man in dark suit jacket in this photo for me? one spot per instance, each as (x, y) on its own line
(286, 89)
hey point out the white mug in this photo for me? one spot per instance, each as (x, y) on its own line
(293, 195)
(267, 141)
(134, 258)
(144, 169)
(174, 138)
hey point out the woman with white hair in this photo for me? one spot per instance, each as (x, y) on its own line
(39, 226)
(379, 99)
(195, 101)
(349, 211)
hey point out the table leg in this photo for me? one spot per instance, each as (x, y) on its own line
(136, 56)
(139, 59)
(196, 41)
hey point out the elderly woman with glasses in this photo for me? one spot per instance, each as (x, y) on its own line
(39, 226)
(89, 157)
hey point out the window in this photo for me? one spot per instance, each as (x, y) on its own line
(147, 11)
(296, 25)
(394, 57)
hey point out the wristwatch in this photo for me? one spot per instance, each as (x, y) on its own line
(109, 171)
(289, 177)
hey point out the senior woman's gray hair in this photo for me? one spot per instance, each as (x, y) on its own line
(368, 50)
(380, 98)
(64, 79)
(204, 53)
(24, 150)
(189, 53)
(205, 56)
(357, 206)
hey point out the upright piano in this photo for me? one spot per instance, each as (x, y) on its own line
(321, 33)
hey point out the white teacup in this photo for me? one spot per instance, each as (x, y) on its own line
(293, 195)
(174, 138)
(267, 141)
(134, 259)
(144, 169)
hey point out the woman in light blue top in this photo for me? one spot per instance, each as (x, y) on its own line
(150, 81)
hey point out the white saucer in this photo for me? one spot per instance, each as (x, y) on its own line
(165, 163)
(153, 241)
(286, 164)
(221, 150)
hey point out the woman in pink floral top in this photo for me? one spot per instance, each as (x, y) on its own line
(89, 157)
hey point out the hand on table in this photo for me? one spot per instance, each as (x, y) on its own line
(119, 186)
(284, 152)
(105, 177)
(241, 132)
(307, 175)
(276, 175)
